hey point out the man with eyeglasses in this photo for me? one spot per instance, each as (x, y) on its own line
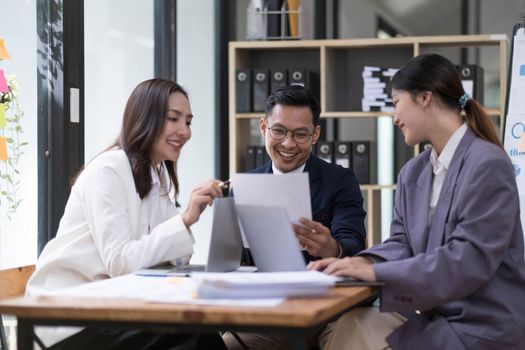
(290, 129)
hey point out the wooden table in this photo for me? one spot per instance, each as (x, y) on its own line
(297, 319)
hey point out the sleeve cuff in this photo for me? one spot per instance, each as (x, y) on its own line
(181, 239)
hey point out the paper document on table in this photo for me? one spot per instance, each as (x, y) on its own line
(263, 284)
(291, 191)
(181, 290)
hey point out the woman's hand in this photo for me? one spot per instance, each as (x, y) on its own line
(316, 239)
(357, 267)
(201, 196)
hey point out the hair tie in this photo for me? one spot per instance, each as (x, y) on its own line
(464, 99)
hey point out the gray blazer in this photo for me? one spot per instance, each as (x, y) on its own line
(464, 271)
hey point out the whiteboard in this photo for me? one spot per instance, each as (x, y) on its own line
(514, 136)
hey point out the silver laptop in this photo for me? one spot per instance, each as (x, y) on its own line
(272, 241)
(225, 245)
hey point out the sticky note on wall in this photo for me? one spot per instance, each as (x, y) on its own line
(522, 70)
(2, 116)
(3, 148)
(4, 54)
(3, 83)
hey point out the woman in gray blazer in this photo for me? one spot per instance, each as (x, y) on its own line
(454, 263)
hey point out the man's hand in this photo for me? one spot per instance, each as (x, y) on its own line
(316, 239)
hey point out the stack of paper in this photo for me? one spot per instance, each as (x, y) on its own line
(263, 285)
(180, 290)
(377, 89)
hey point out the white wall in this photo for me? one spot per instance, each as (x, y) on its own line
(195, 72)
(18, 237)
(357, 19)
(119, 50)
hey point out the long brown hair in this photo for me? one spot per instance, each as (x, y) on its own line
(435, 73)
(142, 124)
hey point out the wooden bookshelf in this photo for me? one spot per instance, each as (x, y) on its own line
(337, 66)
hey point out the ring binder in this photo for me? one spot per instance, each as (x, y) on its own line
(260, 89)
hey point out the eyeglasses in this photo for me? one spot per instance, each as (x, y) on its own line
(279, 132)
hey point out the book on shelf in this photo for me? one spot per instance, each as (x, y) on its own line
(376, 103)
(377, 97)
(377, 89)
(293, 17)
(372, 80)
(374, 85)
(386, 109)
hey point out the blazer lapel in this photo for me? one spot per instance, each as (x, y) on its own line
(268, 169)
(418, 194)
(314, 175)
(437, 228)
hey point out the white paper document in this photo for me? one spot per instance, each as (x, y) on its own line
(290, 191)
(181, 290)
(226, 289)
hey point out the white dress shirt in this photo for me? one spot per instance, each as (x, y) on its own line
(295, 171)
(440, 166)
(108, 231)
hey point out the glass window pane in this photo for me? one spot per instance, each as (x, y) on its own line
(119, 52)
(18, 132)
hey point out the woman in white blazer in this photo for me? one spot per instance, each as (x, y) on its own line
(121, 216)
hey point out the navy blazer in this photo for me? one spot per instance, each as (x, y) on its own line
(337, 202)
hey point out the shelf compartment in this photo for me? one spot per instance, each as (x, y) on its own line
(343, 68)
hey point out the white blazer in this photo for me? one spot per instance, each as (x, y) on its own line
(108, 231)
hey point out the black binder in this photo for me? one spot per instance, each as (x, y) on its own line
(278, 79)
(361, 161)
(274, 19)
(325, 150)
(343, 153)
(243, 90)
(266, 156)
(402, 152)
(300, 77)
(472, 80)
(249, 160)
(259, 156)
(260, 89)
